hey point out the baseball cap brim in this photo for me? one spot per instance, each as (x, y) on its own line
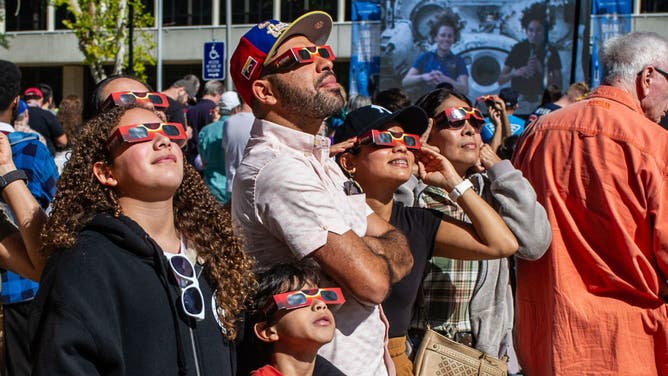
(188, 86)
(412, 119)
(316, 26)
(33, 92)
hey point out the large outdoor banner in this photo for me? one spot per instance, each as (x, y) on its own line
(365, 47)
(479, 46)
(608, 18)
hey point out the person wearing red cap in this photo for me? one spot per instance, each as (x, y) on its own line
(288, 200)
(44, 121)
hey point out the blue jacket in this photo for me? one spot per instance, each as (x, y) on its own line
(33, 157)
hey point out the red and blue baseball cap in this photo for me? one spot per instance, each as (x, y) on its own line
(259, 45)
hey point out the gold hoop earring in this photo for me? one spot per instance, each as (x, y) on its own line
(351, 186)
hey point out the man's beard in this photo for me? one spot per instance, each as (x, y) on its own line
(321, 105)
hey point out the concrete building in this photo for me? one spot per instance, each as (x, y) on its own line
(47, 52)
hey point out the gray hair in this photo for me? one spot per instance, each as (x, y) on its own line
(214, 87)
(624, 56)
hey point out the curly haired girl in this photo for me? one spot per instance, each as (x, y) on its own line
(145, 276)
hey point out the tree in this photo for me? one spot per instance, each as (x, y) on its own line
(102, 29)
(3, 37)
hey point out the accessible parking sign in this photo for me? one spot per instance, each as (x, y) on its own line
(213, 63)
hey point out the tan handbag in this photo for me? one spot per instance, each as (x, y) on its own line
(439, 355)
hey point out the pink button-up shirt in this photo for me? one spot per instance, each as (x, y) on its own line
(287, 195)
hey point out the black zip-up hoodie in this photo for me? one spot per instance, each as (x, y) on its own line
(110, 306)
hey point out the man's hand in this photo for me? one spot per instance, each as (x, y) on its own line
(339, 148)
(6, 162)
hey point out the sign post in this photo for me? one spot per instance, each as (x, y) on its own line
(213, 63)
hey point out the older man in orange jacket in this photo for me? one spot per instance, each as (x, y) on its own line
(596, 303)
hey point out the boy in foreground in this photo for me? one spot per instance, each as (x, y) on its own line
(292, 320)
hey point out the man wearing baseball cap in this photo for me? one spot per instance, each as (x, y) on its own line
(177, 96)
(287, 199)
(44, 121)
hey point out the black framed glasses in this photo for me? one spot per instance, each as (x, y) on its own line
(663, 72)
(192, 300)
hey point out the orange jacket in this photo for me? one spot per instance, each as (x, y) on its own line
(592, 304)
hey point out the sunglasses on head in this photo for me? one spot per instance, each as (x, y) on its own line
(455, 117)
(124, 98)
(192, 300)
(141, 132)
(298, 55)
(389, 138)
(304, 298)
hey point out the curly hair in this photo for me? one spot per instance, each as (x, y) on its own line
(446, 18)
(537, 12)
(80, 197)
(69, 116)
(10, 83)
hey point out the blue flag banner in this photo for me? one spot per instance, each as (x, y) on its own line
(609, 18)
(365, 47)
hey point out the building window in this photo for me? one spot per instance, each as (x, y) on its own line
(293, 9)
(248, 11)
(654, 6)
(25, 15)
(185, 12)
(62, 14)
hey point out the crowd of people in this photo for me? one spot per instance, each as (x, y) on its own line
(281, 229)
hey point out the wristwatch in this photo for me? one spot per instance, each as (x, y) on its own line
(459, 189)
(12, 176)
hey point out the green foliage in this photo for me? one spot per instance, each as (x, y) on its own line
(3, 37)
(101, 27)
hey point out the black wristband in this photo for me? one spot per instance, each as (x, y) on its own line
(12, 176)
